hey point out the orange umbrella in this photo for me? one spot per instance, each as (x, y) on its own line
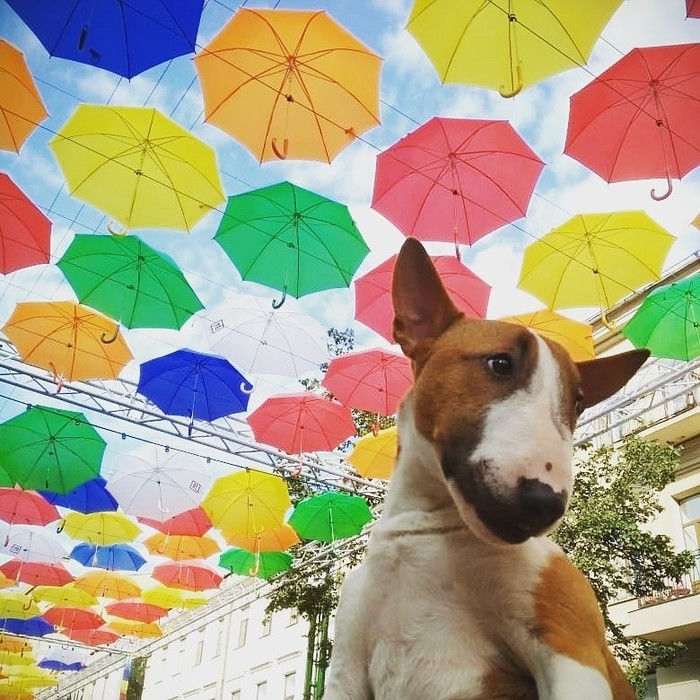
(276, 539)
(289, 83)
(21, 106)
(71, 340)
(108, 584)
(373, 456)
(14, 645)
(181, 547)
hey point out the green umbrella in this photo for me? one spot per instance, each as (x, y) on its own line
(330, 516)
(50, 449)
(128, 280)
(668, 321)
(260, 564)
(290, 239)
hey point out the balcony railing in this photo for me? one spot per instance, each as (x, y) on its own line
(688, 585)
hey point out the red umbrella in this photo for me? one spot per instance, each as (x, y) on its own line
(372, 380)
(692, 8)
(27, 507)
(638, 119)
(455, 179)
(73, 618)
(194, 522)
(93, 637)
(192, 575)
(373, 305)
(136, 609)
(301, 422)
(37, 573)
(25, 232)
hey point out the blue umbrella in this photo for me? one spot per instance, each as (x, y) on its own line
(114, 557)
(53, 665)
(90, 497)
(31, 627)
(125, 38)
(195, 385)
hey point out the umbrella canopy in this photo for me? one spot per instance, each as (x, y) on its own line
(276, 539)
(72, 341)
(668, 321)
(135, 629)
(8, 658)
(122, 38)
(247, 502)
(289, 84)
(455, 179)
(67, 595)
(21, 106)
(25, 507)
(291, 239)
(17, 606)
(129, 281)
(506, 46)
(330, 516)
(102, 528)
(192, 575)
(373, 456)
(108, 584)
(692, 9)
(138, 166)
(135, 609)
(301, 422)
(73, 618)
(31, 543)
(90, 497)
(32, 676)
(257, 338)
(574, 336)
(97, 637)
(57, 665)
(260, 564)
(37, 573)
(372, 380)
(121, 557)
(32, 627)
(159, 485)
(194, 522)
(14, 645)
(194, 385)
(50, 448)
(638, 119)
(25, 233)
(181, 547)
(165, 597)
(374, 308)
(595, 259)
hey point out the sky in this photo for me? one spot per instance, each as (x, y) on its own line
(410, 94)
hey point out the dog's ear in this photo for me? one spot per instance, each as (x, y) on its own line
(422, 307)
(602, 377)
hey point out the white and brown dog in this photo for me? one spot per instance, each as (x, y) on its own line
(461, 595)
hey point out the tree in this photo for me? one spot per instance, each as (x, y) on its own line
(605, 533)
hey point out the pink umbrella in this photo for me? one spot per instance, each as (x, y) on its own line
(194, 522)
(27, 507)
(93, 637)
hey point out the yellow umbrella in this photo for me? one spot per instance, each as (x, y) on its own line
(373, 456)
(13, 644)
(506, 45)
(274, 540)
(138, 166)
(247, 502)
(71, 340)
(21, 106)
(166, 597)
(18, 606)
(29, 676)
(289, 83)
(595, 259)
(575, 336)
(13, 658)
(135, 629)
(108, 584)
(100, 528)
(67, 595)
(6, 582)
(180, 547)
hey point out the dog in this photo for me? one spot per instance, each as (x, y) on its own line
(461, 595)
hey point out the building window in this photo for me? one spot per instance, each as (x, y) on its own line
(266, 625)
(293, 617)
(242, 632)
(236, 695)
(261, 691)
(290, 680)
(199, 653)
(219, 638)
(690, 516)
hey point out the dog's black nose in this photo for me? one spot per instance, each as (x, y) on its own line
(540, 506)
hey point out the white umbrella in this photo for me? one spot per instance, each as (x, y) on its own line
(31, 543)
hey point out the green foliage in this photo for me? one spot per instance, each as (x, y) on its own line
(136, 678)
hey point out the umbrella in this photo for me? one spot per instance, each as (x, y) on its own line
(57, 665)
(275, 539)
(138, 166)
(33, 627)
(111, 527)
(72, 341)
(181, 547)
(8, 658)
(121, 557)
(157, 486)
(373, 456)
(692, 9)
(67, 595)
(193, 522)
(31, 543)
(595, 259)
(455, 179)
(25, 507)
(108, 584)
(301, 422)
(121, 37)
(330, 516)
(31, 676)
(14, 645)
(195, 385)
(575, 336)
(136, 609)
(129, 281)
(17, 606)
(25, 233)
(247, 502)
(289, 84)
(638, 119)
(506, 46)
(73, 618)
(6, 481)
(90, 497)
(668, 321)
(135, 629)
(165, 597)
(37, 573)
(261, 564)
(291, 239)
(50, 448)
(256, 338)
(97, 637)
(192, 575)
(371, 380)
(21, 106)
(374, 308)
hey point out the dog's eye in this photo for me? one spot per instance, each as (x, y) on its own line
(501, 365)
(578, 403)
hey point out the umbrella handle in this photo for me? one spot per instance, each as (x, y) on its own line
(246, 388)
(277, 304)
(116, 231)
(104, 338)
(282, 155)
(83, 37)
(59, 529)
(518, 85)
(607, 323)
(660, 197)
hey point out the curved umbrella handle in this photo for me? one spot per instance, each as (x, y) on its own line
(61, 525)
(660, 197)
(518, 85)
(246, 388)
(607, 323)
(281, 154)
(104, 338)
(277, 304)
(116, 231)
